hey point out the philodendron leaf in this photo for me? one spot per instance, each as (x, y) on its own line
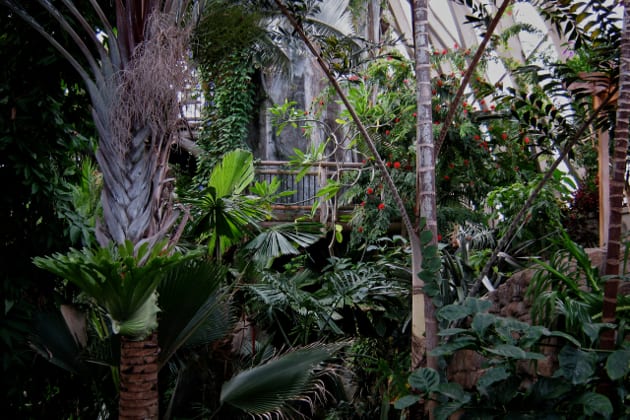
(475, 305)
(453, 312)
(451, 347)
(454, 391)
(457, 311)
(482, 321)
(444, 411)
(514, 352)
(618, 364)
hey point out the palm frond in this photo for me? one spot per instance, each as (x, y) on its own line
(51, 338)
(332, 17)
(270, 388)
(566, 288)
(121, 279)
(233, 174)
(282, 239)
(190, 301)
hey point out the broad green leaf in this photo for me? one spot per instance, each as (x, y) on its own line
(432, 264)
(475, 305)
(482, 321)
(453, 312)
(444, 411)
(451, 331)
(576, 365)
(532, 335)
(593, 329)
(618, 364)
(451, 347)
(424, 380)
(406, 401)
(508, 350)
(427, 276)
(595, 404)
(430, 252)
(425, 237)
(491, 376)
(454, 391)
(567, 337)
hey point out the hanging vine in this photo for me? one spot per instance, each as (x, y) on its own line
(224, 52)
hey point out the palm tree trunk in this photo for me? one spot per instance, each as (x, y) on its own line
(423, 312)
(139, 379)
(607, 338)
(424, 328)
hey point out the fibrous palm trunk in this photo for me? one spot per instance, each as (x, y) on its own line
(607, 339)
(134, 146)
(139, 379)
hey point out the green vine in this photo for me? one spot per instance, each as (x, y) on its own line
(230, 96)
(225, 53)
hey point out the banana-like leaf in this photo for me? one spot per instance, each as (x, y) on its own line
(271, 387)
(189, 297)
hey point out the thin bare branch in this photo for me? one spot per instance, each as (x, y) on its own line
(406, 220)
(471, 68)
(516, 222)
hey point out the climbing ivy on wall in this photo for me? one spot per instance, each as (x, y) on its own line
(230, 96)
(224, 50)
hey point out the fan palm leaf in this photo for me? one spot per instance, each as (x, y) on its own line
(271, 387)
(225, 212)
(332, 17)
(52, 339)
(189, 296)
(283, 239)
(233, 174)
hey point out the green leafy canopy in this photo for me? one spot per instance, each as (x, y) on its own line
(121, 280)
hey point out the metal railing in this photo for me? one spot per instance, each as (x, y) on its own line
(305, 190)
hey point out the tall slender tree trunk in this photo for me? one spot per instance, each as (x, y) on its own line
(620, 156)
(424, 324)
(424, 328)
(423, 311)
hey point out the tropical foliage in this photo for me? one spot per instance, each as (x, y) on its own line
(302, 319)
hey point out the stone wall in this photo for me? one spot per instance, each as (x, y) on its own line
(509, 300)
